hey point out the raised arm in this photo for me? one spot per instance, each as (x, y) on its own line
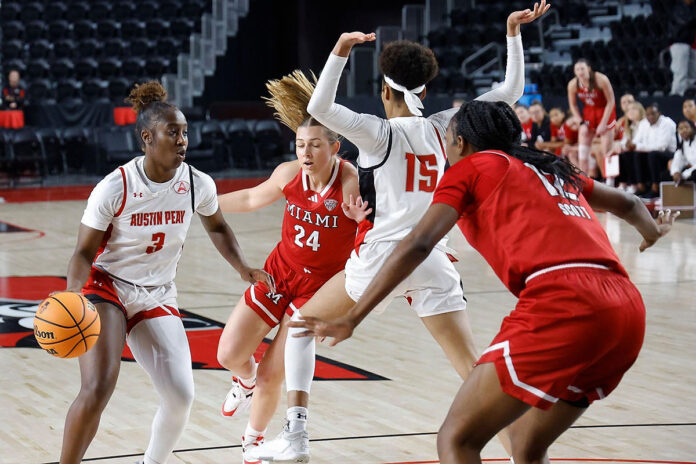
(632, 210)
(513, 87)
(410, 252)
(251, 199)
(368, 132)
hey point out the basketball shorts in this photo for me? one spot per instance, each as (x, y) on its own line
(136, 302)
(572, 336)
(592, 116)
(434, 287)
(292, 290)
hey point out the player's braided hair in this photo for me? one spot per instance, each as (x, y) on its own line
(149, 101)
(289, 97)
(495, 126)
(408, 63)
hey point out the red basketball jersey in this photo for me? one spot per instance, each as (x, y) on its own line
(522, 220)
(594, 97)
(317, 237)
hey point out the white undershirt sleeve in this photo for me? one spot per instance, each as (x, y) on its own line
(104, 201)
(368, 132)
(513, 87)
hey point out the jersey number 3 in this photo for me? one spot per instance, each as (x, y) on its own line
(427, 171)
(157, 243)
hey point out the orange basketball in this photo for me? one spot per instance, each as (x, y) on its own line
(66, 325)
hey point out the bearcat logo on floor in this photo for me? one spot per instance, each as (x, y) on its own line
(20, 298)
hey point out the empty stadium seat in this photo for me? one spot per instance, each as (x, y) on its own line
(51, 145)
(142, 46)
(117, 146)
(36, 30)
(132, 28)
(84, 29)
(76, 148)
(115, 47)
(123, 10)
(55, 10)
(89, 47)
(133, 67)
(240, 141)
(109, 67)
(63, 68)
(12, 49)
(59, 29)
(31, 12)
(95, 90)
(119, 87)
(156, 28)
(16, 64)
(108, 29)
(40, 90)
(199, 153)
(27, 154)
(40, 49)
(9, 11)
(13, 30)
(67, 90)
(99, 11)
(78, 11)
(38, 69)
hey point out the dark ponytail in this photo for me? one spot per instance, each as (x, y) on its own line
(495, 126)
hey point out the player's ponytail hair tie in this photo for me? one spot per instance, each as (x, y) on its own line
(411, 97)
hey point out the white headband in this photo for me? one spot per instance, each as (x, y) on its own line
(410, 96)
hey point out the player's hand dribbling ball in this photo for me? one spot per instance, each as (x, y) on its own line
(66, 324)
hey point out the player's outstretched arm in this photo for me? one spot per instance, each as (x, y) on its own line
(632, 210)
(223, 238)
(88, 241)
(251, 199)
(513, 86)
(410, 252)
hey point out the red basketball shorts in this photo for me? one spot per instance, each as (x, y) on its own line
(292, 290)
(572, 336)
(136, 304)
(592, 116)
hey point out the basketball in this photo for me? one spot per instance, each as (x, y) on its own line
(66, 325)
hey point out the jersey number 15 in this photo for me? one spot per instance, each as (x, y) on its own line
(427, 169)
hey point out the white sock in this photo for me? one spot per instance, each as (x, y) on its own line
(299, 360)
(251, 381)
(583, 155)
(297, 419)
(593, 162)
(251, 434)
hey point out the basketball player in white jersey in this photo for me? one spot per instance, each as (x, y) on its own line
(400, 163)
(128, 247)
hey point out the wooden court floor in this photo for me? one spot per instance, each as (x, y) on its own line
(650, 418)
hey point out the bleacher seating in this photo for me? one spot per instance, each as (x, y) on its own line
(83, 40)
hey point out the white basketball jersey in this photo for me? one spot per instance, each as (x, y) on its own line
(145, 223)
(400, 188)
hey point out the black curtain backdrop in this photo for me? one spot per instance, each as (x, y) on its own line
(65, 115)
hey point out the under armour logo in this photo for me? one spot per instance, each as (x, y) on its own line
(307, 271)
(301, 416)
(138, 194)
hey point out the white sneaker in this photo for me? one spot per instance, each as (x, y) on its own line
(285, 448)
(247, 446)
(238, 399)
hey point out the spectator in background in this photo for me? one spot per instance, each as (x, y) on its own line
(526, 121)
(625, 103)
(569, 133)
(656, 143)
(684, 162)
(689, 109)
(683, 36)
(541, 126)
(628, 179)
(598, 114)
(13, 94)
